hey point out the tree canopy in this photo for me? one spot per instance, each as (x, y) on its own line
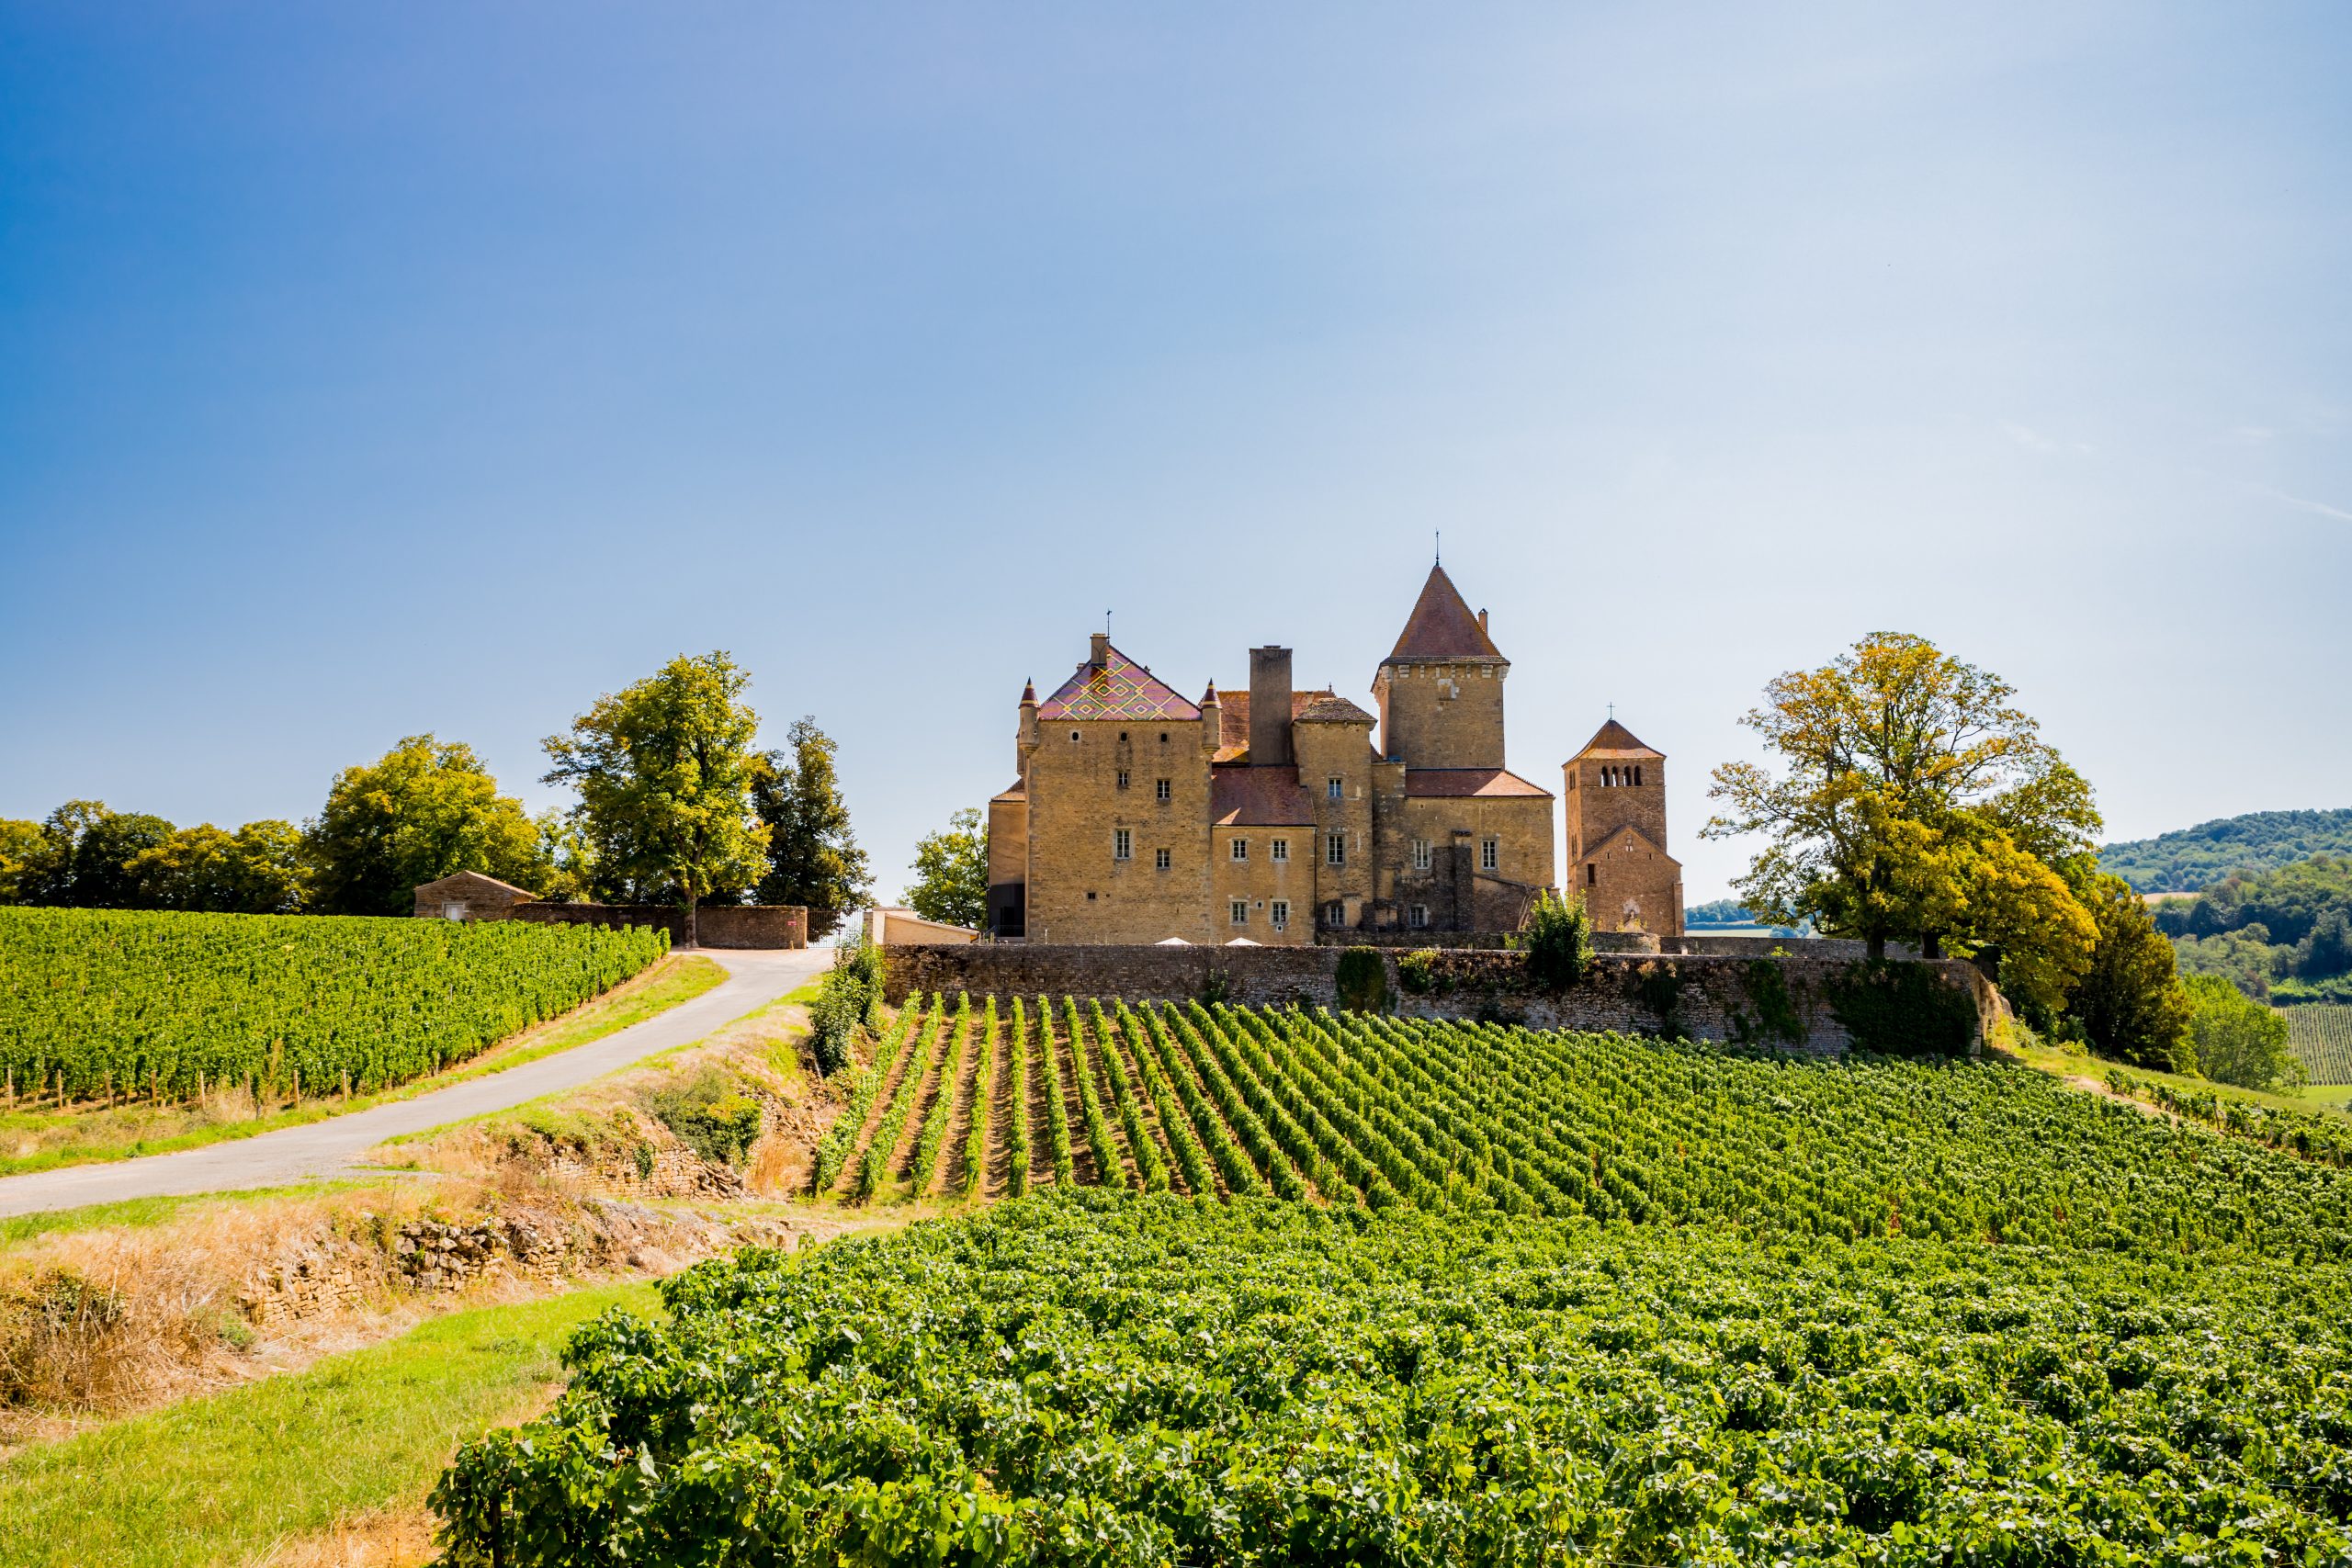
(951, 872)
(423, 810)
(812, 856)
(664, 771)
(1914, 800)
(2237, 1041)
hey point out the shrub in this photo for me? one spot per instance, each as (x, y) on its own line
(1363, 980)
(708, 1113)
(2237, 1041)
(1417, 971)
(1898, 1008)
(1557, 940)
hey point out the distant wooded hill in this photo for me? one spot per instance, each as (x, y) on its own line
(2195, 858)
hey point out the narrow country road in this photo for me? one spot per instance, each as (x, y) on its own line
(327, 1148)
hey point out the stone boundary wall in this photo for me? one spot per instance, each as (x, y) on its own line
(1697, 945)
(1703, 997)
(717, 925)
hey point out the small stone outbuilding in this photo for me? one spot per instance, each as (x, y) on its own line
(471, 896)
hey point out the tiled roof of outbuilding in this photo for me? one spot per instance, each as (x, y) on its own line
(1244, 796)
(1118, 688)
(1442, 625)
(1449, 783)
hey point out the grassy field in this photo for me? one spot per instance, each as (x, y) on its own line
(44, 1140)
(228, 1477)
(2328, 1100)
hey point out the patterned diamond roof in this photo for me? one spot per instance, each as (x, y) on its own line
(1117, 688)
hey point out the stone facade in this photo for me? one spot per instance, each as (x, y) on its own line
(1268, 815)
(1615, 791)
(1704, 997)
(470, 895)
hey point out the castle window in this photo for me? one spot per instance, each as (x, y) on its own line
(1240, 849)
(1418, 917)
(1335, 913)
(1490, 855)
(1123, 844)
(1160, 860)
(1591, 873)
(1164, 789)
(1280, 848)
(1420, 855)
(1335, 788)
(1279, 915)
(1637, 774)
(1073, 737)
(1123, 735)
(1123, 778)
(1240, 911)
(1163, 737)
(1335, 849)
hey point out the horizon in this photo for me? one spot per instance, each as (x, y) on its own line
(384, 372)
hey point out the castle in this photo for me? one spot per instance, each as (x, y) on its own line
(1268, 815)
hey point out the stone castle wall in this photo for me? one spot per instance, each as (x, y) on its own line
(1784, 1002)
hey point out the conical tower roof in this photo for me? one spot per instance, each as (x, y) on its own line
(1614, 738)
(1442, 625)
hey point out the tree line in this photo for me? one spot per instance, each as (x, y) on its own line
(676, 803)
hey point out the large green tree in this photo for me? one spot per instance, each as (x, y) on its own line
(951, 872)
(1914, 800)
(2129, 1003)
(664, 770)
(423, 810)
(84, 857)
(2237, 1041)
(813, 857)
(20, 849)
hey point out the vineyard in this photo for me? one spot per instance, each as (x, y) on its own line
(1096, 1379)
(2319, 1034)
(1385, 1112)
(102, 1003)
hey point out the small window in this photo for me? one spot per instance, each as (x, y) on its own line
(1335, 913)
(1420, 855)
(1123, 778)
(1490, 855)
(1418, 917)
(1280, 914)
(1163, 737)
(1335, 849)
(1240, 849)
(1073, 737)
(1123, 735)
(1160, 860)
(1123, 843)
(1241, 909)
(1637, 775)
(1591, 873)
(1279, 849)
(1335, 789)
(1164, 789)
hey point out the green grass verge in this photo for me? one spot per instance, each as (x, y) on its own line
(686, 977)
(2327, 1100)
(222, 1479)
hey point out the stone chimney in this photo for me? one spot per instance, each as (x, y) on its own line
(1101, 654)
(1270, 707)
(1482, 620)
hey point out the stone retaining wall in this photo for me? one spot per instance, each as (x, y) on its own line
(716, 925)
(1795, 1003)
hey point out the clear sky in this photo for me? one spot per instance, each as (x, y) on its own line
(373, 369)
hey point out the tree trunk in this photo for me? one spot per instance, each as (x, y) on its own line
(690, 922)
(1876, 948)
(1932, 944)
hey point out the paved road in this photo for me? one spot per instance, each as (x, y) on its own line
(327, 1148)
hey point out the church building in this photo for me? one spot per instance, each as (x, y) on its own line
(1268, 815)
(1617, 859)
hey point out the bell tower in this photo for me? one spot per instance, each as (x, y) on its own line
(1616, 834)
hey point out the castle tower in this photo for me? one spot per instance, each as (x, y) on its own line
(1616, 835)
(1441, 688)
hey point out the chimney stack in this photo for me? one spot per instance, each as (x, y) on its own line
(1270, 707)
(1100, 656)
(1482, 620)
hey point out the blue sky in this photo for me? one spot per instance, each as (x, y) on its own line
(372, 369)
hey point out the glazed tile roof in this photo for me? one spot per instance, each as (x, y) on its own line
(1613, 740)
(1118, 688)
(1442, 625)
(1453, 783)
(1244, 796)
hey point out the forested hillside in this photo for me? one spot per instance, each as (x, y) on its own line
(2283, 935)
(2195, 858)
